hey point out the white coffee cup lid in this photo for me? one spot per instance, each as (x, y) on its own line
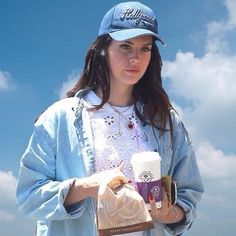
(147, 156)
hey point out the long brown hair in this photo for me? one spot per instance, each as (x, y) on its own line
(148, 91)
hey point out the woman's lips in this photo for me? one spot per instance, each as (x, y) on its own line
(132, 71)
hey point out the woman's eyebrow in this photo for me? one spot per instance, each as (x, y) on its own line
(144, 44)
(147, 44)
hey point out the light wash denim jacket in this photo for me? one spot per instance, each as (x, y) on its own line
(61, 150)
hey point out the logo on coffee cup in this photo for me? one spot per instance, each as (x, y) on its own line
(156, 191)
(146, 176)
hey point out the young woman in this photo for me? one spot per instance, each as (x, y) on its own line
(118, 107)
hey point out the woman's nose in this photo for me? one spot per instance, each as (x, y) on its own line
(134, 56)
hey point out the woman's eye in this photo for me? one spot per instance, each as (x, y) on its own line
(146, 49)
(125, 46)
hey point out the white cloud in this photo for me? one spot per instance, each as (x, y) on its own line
(5, 80)
(7, 196)
(7, 186)
(68, 84)
(9, 213)
(201, 79)
(214, 163)
(208, 86)
(6, 216)
(217, 30)
(231, 7)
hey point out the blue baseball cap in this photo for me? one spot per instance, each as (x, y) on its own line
(129, 20)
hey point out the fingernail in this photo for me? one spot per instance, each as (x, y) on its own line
(121, 162)
(150, 197)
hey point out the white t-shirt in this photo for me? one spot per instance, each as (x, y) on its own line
(117, 134)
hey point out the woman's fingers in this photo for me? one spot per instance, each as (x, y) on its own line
(153, 204)
(160, 213)
(165, 200)
(121, 165)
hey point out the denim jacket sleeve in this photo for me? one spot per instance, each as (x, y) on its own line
(184, 170)
(39, 194)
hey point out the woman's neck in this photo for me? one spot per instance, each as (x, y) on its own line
(121, 97)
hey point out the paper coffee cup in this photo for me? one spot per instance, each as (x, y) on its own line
(147, 175)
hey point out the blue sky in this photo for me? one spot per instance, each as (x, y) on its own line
(42, 48)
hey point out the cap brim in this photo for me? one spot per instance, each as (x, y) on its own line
(126, 34)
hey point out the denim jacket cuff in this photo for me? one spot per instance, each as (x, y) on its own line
(180, 227)
(74, 210)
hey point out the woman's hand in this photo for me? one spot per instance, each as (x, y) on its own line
(89, 186)
(168, 213)
(108, 175)
(160, 214)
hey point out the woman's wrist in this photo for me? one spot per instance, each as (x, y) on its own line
(81, 189)
(175, 215)
(90, 187)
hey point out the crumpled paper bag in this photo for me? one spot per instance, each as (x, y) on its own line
(121, 209)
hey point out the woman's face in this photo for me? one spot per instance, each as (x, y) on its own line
(128, 60)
